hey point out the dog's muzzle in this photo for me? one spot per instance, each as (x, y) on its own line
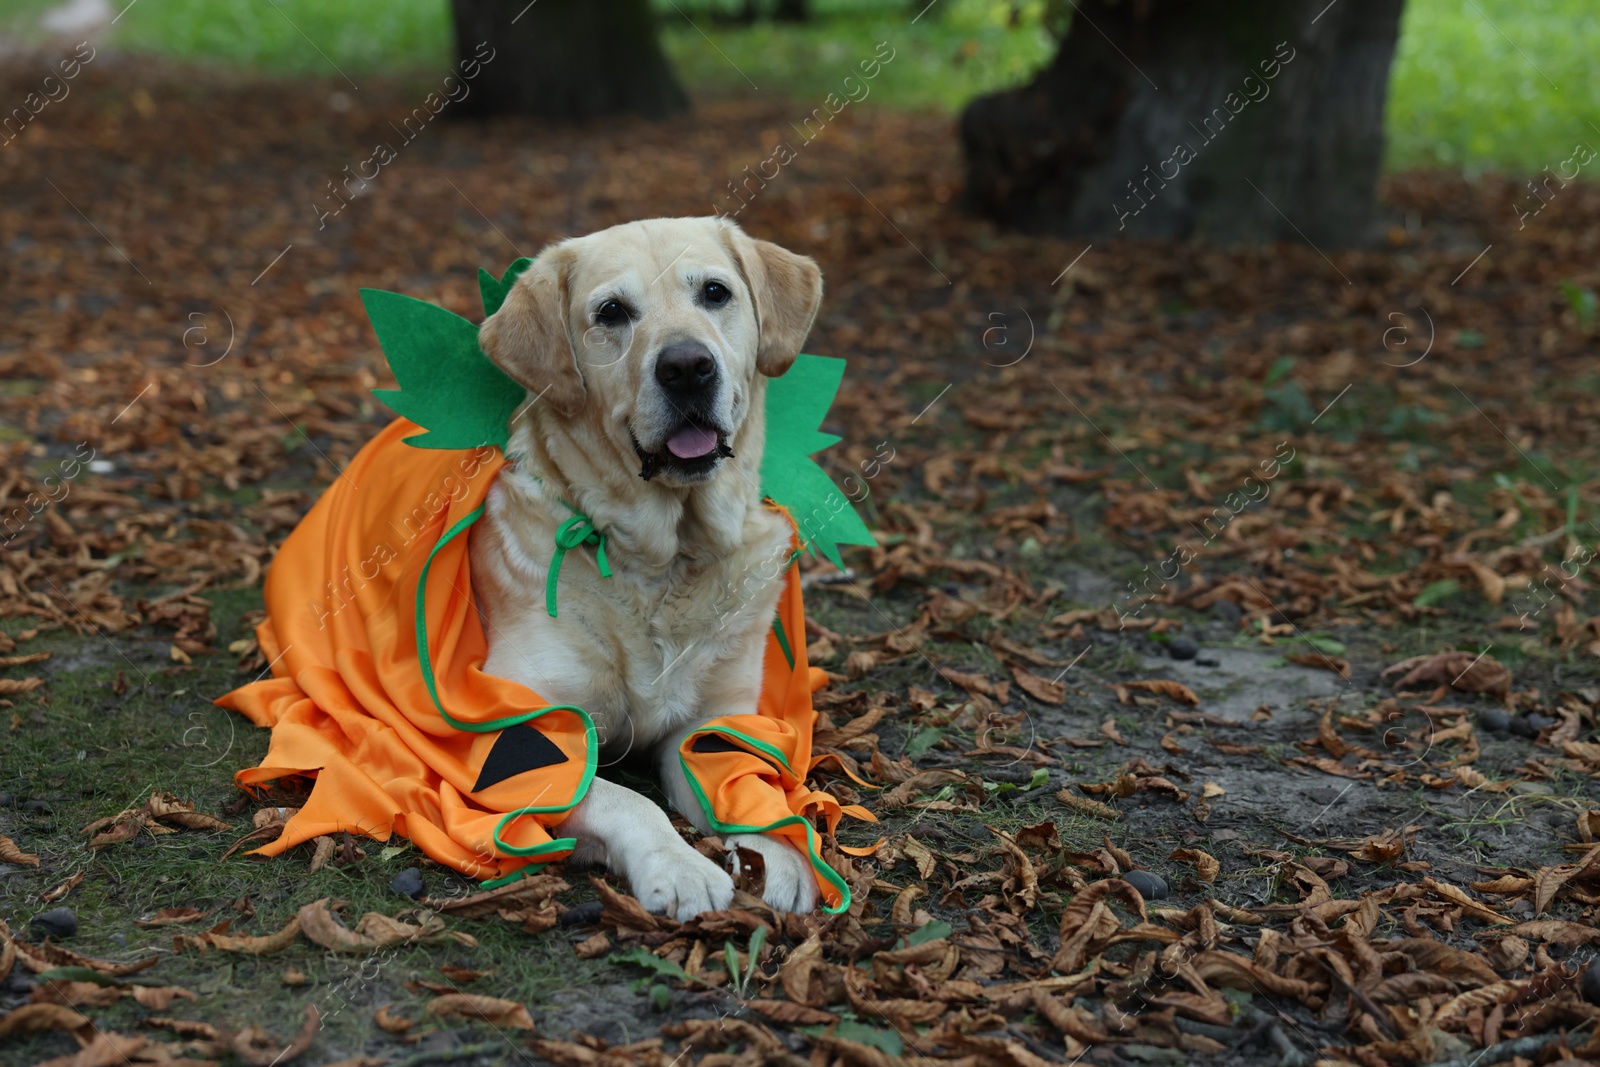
(690, 380)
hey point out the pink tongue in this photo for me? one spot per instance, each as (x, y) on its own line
(692, 442)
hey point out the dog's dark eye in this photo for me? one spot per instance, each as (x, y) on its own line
(716, 294)
(611, 313)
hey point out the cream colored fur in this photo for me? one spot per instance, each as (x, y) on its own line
(675, 636)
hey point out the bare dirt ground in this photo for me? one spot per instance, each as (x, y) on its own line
(1157, 522)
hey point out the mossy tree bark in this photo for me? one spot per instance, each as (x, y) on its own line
(566, 60)
(1253, 121)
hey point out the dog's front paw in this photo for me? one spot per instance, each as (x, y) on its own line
(679, 882)
(790, 885)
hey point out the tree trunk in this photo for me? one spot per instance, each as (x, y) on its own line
(565, 60)
(782, 11)
(1254, 120)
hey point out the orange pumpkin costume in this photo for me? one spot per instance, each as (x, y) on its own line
(378, 693)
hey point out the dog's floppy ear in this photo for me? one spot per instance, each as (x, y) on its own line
(787, 289)
(527, 338)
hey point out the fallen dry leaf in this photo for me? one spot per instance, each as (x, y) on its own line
(1588, 825)
(1205, 865)
(59, 892)
(190, 1028)
(1467, 671)
(110, 1049)
(160, 813)
(321, 853)
(1548, 881)
(1165, 687)
(169, 809)
(490, 1009)
(159, 998)
(10, 853)
(977, 683)
(78, 994)
(461, 974)
(390, 1023)
(1557, 931)
(33, 1017)
(171, 917)
(791, 1014)
(1322, 661)
(922, 781)
(1087, 806)
(256, 1048)
(1044, 690)
(48, 956)
(373, 933)
(532, 890)
(591, 947)
(262, 945)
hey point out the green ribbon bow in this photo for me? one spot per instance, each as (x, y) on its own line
(576, 531)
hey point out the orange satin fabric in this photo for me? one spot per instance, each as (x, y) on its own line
(348, 705)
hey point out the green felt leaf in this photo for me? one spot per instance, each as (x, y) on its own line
(796, 405)
(494, 292)
(447, 385)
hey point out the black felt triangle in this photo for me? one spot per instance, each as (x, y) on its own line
(518, 750)
(717, 743)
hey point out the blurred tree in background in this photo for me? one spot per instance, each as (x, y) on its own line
(1253, 120)
(567, 60)
(1153, 120)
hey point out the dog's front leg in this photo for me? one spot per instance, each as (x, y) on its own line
(633, 837)
(790, 885)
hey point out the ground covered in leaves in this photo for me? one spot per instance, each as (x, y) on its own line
(1225, 682)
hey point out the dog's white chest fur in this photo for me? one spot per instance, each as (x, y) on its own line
(646, 651)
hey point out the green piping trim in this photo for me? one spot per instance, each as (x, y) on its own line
(578, 530)
(783, 640)
(507, 879)
(559, 844)
(777, 620)
(827, 873)
(591, 756)
(771, 750)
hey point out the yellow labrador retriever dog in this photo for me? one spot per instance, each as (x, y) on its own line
(644, 349)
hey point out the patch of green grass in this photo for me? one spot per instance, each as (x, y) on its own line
(957, 50)
(295, 36)
(1482, 84)
(88, 753)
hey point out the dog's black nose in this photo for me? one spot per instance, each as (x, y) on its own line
(686, 368)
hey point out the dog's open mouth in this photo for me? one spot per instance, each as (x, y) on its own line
(693, 448)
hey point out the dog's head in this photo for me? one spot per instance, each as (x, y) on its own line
(654, 332)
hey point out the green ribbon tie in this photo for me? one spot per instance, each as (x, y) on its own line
(576, 531)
